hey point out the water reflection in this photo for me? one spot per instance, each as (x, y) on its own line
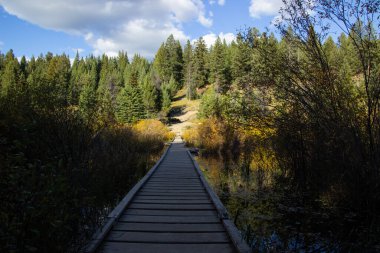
(273, 218)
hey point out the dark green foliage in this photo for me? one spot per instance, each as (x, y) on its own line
(199, 63)
(130, 107)
(88, 103)
(150, 96)
(241, 63)
(220, 72)
(188, 72)
(169, 61)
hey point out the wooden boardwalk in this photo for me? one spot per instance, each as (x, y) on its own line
(172, 209)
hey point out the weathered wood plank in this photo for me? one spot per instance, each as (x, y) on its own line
(117, 247)
(172, 197)
(190, 194)
(171, 201)
(174, 177)
(169, 219)
(174, 183)
(173, 206)
(190, 237)
(170, 212)
(169, 191)
(176, 187)
(164, 227)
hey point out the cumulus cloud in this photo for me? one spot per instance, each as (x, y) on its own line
(210, 38)
(260, 8)
(110, 26)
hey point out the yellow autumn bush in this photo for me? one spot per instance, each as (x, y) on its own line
(190, 136)
(207, 135)
(153, 129)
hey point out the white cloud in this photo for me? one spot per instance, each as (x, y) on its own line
(110, 26)
(210, 38)
(205, 21)
(220, 2)
(258, 8)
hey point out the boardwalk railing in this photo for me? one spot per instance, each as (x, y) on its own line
(172, 209)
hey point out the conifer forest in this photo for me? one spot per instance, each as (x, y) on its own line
(288, 131)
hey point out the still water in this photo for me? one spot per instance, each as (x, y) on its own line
(273, 218)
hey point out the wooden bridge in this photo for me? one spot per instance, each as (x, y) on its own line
(172, 209)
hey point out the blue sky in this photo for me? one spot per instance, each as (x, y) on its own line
(136, 26)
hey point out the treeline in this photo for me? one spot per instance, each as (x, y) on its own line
(310, 99)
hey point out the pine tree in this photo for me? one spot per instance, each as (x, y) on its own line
(88, 102)
(188, 72)
(166, 96)
(130, 106)
(241, 63)
(199, 63)
(219, 68)
(161, 63)
(174, 50)
(10, 83)
(150, 95)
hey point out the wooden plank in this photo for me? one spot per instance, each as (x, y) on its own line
(173, 186)
(175, 183)
(171, 191)
(152, 237)
(176, 174)
(171, 201)
(173, 206)
(192, 194)
(171, 212)
(117, 247)
(174, 177)
(169, 219)
(163, 227)
(138, 196)
(178, 181)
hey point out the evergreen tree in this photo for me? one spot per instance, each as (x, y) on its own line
(166, 96)
(130, 106)
(174, 50)
(161, 63)
(188, 71)
(241, 63)
(10, 78)
(88, 102)
(199, 63)
(219, 68)
(150, 95)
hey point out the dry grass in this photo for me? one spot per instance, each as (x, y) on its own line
(188, 115)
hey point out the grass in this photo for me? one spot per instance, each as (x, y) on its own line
(180, 100)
